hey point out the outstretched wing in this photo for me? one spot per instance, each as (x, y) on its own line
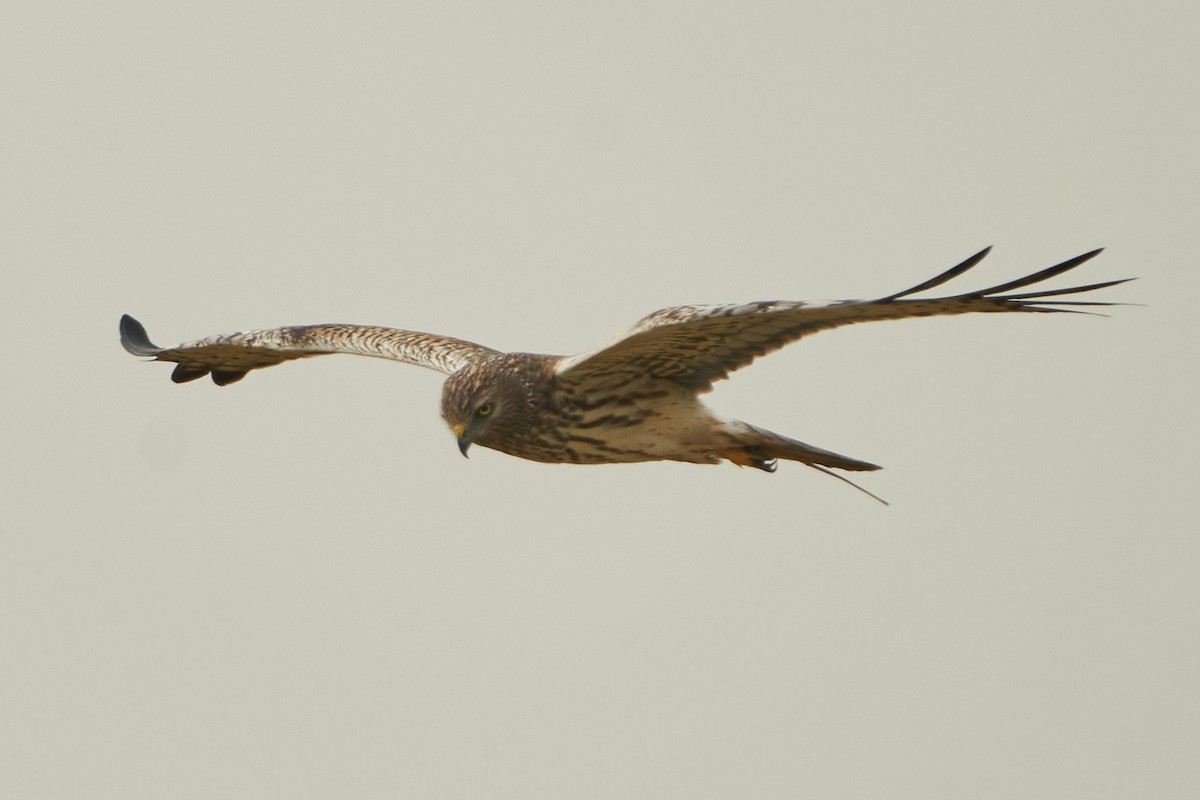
(697, 345)
(229, 358)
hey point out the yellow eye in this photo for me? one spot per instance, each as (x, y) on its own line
(483, 410)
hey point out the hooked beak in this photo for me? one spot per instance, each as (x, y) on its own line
(464, 439)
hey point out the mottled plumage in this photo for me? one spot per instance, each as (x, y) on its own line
(634, 399)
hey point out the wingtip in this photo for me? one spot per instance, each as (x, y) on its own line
(1088, 256)
(134, 338)
(975, 259)
(938, 280)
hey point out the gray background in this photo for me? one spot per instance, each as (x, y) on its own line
(296, 586)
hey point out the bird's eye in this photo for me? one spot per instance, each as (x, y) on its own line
(483, 410)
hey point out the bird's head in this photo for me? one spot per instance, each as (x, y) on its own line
(485, 403)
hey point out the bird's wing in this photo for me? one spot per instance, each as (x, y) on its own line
(228, 358)
(697, 345)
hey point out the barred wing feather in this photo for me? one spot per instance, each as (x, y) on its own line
(228, 358)
(698, 345)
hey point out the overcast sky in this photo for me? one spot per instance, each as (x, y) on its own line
(296, 587)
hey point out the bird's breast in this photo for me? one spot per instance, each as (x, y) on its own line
(621, 424)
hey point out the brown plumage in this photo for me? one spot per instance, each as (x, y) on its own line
(634, 399)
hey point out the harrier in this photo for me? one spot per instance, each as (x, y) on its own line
(634, 399)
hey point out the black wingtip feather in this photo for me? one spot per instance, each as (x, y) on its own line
(950, 274)
(1091, 287)
(224, 377)
(1025, 300)
(1040, 275)
(184, 373)
(134, 338)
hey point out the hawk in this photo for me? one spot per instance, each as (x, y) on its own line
(636, 398)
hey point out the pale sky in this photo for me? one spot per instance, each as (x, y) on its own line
(296, 587)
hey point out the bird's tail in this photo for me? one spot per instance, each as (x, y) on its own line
(760, 448)
(763, 445)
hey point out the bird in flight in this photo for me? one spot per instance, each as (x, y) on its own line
(636, 398)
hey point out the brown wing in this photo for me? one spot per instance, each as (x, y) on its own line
(228, 358)
(697, 345)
